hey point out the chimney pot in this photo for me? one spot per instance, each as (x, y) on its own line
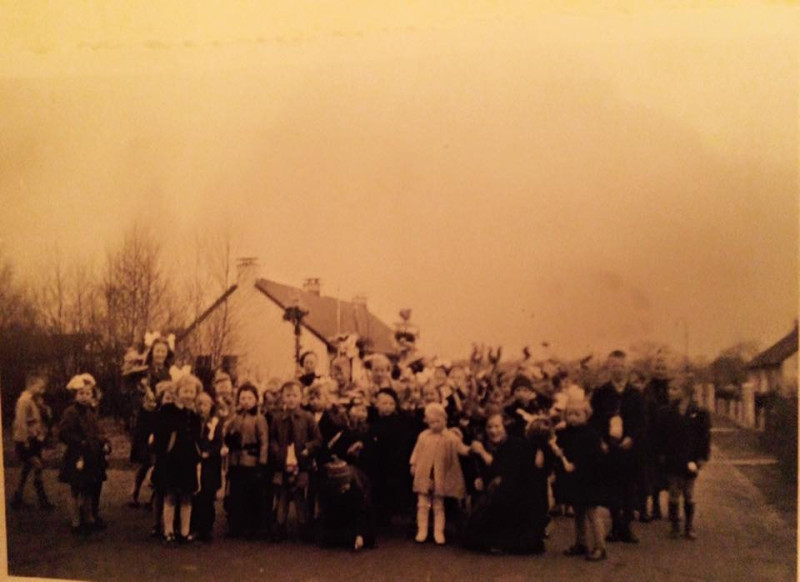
(247, 270)
(312, 285)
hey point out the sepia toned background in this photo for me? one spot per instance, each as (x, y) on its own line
(578, 176)
(570, 177)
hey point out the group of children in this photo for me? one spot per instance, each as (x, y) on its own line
(352, 456)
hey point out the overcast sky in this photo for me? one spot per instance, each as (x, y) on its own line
(590, 179)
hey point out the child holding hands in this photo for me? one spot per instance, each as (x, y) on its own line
(437, 471)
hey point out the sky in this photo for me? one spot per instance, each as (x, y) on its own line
(587, 177)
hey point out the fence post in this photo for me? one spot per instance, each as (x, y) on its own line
(710, 400)
(748, 405)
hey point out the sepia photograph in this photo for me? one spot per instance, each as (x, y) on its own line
(449, 290)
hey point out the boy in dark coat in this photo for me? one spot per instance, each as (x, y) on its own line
(619, 417)
(684, 446)
(293, 441)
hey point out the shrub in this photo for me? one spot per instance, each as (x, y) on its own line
(780, 431)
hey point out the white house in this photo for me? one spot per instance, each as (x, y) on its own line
(262, 343)
(775, 369)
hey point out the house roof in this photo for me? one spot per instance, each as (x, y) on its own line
(322, 317)
(207, 312)
(777, 353)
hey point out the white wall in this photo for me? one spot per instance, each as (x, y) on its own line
(262, 340)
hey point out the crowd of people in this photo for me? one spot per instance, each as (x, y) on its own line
(463, 451)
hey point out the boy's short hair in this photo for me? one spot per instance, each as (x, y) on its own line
(304, 355)
(34, 378)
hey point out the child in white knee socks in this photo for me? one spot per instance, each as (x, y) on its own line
(437, 471)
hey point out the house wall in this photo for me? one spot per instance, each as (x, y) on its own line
(262, 340)
(789, 374)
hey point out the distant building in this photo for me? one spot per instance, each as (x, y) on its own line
(260, 344)
(775, 369)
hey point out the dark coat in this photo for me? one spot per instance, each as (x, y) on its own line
(390, 441)
(141, 451)
(293, 427)
(345, 515)
(655, 396)
(629, 405)
(581, 446)
(81, 432)
(177, 433)
(210, 446)
(683, 438)
(515, 424)
(507, 517)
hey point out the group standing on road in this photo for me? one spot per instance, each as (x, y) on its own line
(457, 451)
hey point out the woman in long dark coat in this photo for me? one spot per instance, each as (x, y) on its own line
(505, 519)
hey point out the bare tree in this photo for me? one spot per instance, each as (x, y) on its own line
(135, 289)
(17, 308)
(211, 278)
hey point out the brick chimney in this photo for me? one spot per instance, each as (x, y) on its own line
(247, 271)
(312, 285)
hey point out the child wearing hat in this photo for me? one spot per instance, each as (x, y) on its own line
(579, 448)
(437, 472)
(247, 438)
(83, 465)
(527, 402)
(346, 518)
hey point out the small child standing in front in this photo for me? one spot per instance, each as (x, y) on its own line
(684, 444)
(176, 473)
(210, 445)
(294, 439)
(84, 464)
(437, 471)
(580, 450)
(246, 436)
